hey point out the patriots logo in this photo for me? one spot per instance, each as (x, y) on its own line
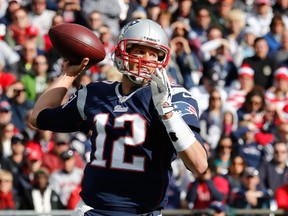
(72, 97)
(185, 108)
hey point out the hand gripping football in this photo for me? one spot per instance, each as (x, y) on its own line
(75, 42)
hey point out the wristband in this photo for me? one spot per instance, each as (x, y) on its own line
(179, 132)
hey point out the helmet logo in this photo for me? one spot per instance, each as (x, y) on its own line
(125, 28)
(151, 39)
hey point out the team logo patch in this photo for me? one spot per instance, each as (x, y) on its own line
(185, 108)
(120, 108)
(173, 136)
(72, 97)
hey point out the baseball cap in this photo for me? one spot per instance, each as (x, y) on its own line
(61, 138)
(66, 155)
(17, 138)
(217, 206)
(17, 1)
(281, 73)
(5, 106)
(251, 171)
(263, 2)
(245, 70)
(33, 152)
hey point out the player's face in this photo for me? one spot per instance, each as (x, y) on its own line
(145, 54)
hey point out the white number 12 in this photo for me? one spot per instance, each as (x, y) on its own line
(138, 131)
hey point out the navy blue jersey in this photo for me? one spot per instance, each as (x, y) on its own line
(131, 152)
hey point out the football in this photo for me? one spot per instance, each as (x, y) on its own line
(75, 42)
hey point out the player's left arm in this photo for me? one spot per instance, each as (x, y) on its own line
(186, 142)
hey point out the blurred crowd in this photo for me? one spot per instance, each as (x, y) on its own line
(232, 55)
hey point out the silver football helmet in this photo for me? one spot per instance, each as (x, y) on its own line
(142, 32)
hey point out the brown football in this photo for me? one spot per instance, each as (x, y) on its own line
(75, 42)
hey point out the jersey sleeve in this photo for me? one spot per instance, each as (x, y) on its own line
(65, 118)
(187, 106)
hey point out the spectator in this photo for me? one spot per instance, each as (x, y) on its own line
(253, 107)
(222, 63)
(246, 46)
(15, 162)
(36, 82)
(214, 40)
(6, 78)
(43, 139)
(95, 21)
(250, 195)
(219, 18)
(10, 57)
(186, 60)
(33, 162)
(223, 154)
(52, 160)
(278, 93)
(164, 20)
(263, 65)
(5, 113)
(273, 37)
(280, 7)
(210, 120)
(27, 55)
(66, 180)
(71, 11)
(6, 133)
(274, 173)
(40, 16)
(21, 30)
(7, 199)
(15, 95)
(205, 189)
(281, 55)
(12, 6)
(240, 88)
(153, 10)
(229, 120)
(235, 23)
(110, 14)
(41, 198)
(246, 145)
(282, 132)
(208, 83)
(261, 17)
(281, 197)
(201, 23)
(235, 172)
(184, 12)
(267, 130)
(51, 54)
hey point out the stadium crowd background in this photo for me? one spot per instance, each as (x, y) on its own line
(232, 55)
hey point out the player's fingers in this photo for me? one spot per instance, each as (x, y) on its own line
(84, 63)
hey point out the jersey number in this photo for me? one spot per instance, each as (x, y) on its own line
(138, 131)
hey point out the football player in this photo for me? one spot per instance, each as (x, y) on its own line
(138, 126)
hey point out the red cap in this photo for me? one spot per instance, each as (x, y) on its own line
(267, 2)
(245, 70)
(33, 152)
(281, 73)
